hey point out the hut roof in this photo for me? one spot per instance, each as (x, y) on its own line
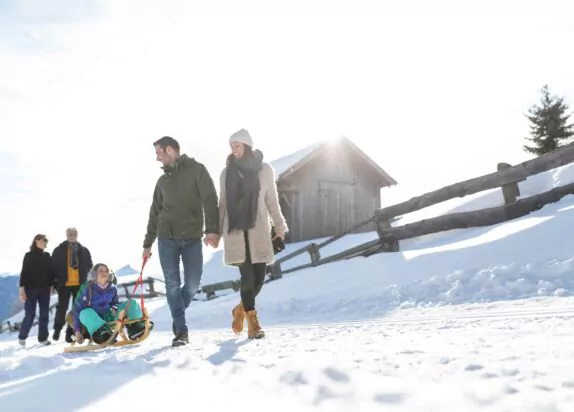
(287, 165)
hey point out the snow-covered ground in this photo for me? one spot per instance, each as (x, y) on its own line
(474, 320)
(509, 356)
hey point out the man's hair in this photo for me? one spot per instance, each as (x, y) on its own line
(166, 142)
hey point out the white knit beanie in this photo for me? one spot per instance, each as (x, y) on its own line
(241, 136)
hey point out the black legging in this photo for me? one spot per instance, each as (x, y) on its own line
(252, 278)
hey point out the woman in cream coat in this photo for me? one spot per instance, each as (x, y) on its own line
(248, 198)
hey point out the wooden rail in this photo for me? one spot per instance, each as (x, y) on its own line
(502, 177)
(479, 218)
(149, 281)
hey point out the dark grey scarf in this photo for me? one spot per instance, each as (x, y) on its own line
(242, 189)
(74, 263)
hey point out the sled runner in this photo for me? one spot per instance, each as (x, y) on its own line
(118, 331)
(117, 327)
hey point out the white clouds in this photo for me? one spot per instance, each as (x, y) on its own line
(83, 110)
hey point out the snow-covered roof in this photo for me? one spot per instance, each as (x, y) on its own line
(285, 163)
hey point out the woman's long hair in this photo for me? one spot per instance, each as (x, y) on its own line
(33, 246)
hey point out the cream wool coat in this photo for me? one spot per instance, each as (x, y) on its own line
(260, 244)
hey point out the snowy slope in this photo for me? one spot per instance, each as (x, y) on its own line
(475, 320)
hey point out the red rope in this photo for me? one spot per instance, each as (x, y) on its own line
(139, 281)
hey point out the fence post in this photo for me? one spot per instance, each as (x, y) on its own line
(276, 271)
(314, 253)
(151, 286)
(388, 242)
(510, 191)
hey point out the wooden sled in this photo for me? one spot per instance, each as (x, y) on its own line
(118, 331)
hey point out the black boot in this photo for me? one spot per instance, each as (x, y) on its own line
(180, 339)
(136, 330)
(69, 334)
(102, 335)
(56, 334)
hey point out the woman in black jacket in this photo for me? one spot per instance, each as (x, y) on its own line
(37, 281)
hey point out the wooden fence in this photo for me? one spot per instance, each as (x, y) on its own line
(506, 177)
(127, 287)
(149, 282)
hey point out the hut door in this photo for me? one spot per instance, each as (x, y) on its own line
(289, 207)
(337, 207)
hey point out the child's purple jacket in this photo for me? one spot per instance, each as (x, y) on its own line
(99, 299)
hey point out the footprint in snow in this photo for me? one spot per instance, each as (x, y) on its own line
(294, 378)
(543, 388)
(509, 372)
(411, 352)
(336, 375)
(389, 397)
(445, 360)
(510, 390)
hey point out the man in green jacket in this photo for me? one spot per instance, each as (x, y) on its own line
(182, 196)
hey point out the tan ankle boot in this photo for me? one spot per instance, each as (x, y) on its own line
(253, 329)
(238, 314)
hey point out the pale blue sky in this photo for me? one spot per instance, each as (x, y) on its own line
(435, 92)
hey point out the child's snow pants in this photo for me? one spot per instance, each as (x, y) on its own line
(92, 321)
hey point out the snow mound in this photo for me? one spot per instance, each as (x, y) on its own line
(511, 282)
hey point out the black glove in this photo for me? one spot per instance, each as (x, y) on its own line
(278, 243)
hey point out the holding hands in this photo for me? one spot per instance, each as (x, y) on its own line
(212, 239)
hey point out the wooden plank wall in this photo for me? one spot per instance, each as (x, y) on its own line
(330, 194)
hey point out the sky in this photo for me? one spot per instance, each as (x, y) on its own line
(435, 93)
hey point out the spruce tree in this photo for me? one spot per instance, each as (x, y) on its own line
(549, 128)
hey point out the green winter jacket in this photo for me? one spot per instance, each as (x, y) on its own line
(182, 195)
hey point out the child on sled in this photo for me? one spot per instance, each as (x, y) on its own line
(70, 315)
(98, 305)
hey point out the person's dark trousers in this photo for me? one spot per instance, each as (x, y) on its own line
(64, 295)
(252, 278)
(180, 296)
(40, 297)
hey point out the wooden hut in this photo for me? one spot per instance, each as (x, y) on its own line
(328, 187)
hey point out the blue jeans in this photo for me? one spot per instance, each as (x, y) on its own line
(40, 297)
(178, 298)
